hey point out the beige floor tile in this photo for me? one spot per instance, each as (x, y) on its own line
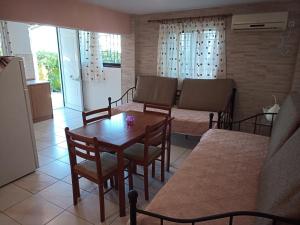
(113, 196)
(33, 211)
(44, 160)
(63, 145)
(5, 220)
(84, 184)
(66, 159)
(60, 194)
(176, 152)
(54, 152)
(35, 182)
(181, 159)
(52, 139)
(121, 220)
(56, 169)
(10, 195)
(88, 209)
(67, 218)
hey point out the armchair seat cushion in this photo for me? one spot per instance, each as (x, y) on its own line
(109, 165)
(136, 152)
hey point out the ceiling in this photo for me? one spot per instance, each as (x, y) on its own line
(156, 6)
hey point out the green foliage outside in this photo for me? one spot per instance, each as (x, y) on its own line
(48, 68)
(111, 57)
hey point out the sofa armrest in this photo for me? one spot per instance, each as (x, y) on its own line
(129, 93)
(224, 122)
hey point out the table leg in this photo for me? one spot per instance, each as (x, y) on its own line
(121, 186)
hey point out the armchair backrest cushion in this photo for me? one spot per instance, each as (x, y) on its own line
(279, 188)
(156, 90)
(286, 122)
(205, 95)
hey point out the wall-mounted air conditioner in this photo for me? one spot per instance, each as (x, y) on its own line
(260, 21)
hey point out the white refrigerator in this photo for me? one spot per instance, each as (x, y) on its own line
(18, 155)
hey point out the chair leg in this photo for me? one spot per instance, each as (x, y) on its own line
(105, 184)
(162, 167)
(130, 180)
(116, 182)
(134, 168)
(168, 154)
(146, 183)
(75, 185)
(112, 183)
(101, 202)
(153, 169)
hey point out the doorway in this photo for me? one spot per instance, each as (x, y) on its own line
(45, 51)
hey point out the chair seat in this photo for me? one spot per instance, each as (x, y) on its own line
(136, 152)
(109, 164)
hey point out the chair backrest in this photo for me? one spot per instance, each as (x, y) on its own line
(84, 147)
(94, 116)
(155, 135)
(159, 109)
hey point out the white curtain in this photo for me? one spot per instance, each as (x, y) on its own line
(91, 58)
(192, 49)
(4, 38)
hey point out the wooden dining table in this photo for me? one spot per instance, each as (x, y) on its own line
(118, 135)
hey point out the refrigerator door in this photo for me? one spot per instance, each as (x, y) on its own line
(17, 145)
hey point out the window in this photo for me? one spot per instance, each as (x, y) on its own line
(110, 45)
(192, 49)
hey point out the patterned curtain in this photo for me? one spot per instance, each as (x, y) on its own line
(91, 58)
(5, 40)
(192, 49)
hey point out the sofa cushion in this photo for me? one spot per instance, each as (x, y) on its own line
(157, 90)
(220, 175)
(287, 120)
(189, 122)
(205, 95)
(279, 189)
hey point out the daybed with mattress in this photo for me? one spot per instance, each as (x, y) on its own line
(231, 171)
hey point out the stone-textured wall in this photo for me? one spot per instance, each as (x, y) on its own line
(128, 59)
(254, 59)
(296, 81)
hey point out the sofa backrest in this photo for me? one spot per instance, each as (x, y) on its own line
(287, 120)
(156, 90)
(205, 95)
(279, 188)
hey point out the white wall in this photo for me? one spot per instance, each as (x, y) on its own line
(20, 44)
(96, 93)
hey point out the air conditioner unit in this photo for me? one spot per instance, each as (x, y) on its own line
(260, 21)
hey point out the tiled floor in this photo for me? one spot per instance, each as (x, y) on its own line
(45, 197)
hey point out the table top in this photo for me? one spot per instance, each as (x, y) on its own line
(115, 131)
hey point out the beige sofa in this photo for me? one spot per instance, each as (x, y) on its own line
(191, 109)
(234, 171)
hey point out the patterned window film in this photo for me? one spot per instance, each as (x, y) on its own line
(110, 48)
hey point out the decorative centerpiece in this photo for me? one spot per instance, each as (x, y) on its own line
(130, 120)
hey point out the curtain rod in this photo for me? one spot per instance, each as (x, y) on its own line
(186, 18)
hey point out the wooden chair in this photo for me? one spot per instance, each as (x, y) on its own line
(94, 118)
(163, 110)
(98, 166)
(145, 154)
